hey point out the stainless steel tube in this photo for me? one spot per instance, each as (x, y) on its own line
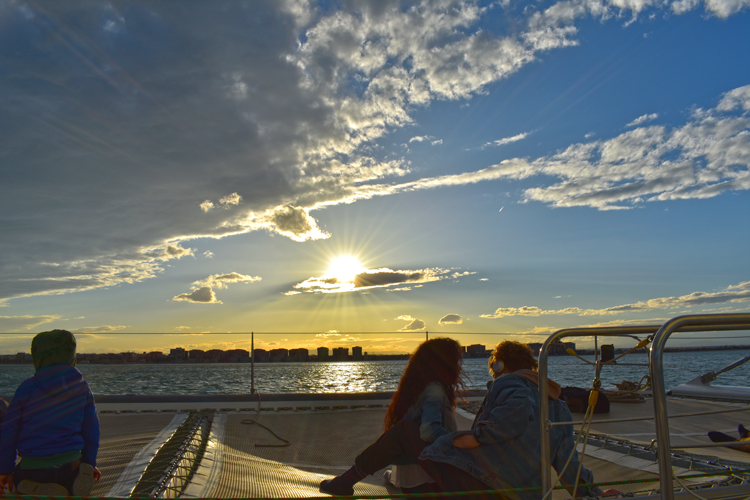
(705, 322)
(544, 386)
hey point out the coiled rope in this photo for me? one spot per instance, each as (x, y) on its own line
(251, 421)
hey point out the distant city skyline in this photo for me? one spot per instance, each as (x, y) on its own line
(463, 167)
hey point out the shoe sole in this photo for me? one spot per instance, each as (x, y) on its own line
(323, 489)
(28, 487)
(84, 482)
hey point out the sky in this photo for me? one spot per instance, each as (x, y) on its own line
(358, 173)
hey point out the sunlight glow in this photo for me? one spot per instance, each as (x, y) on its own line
(344, 268)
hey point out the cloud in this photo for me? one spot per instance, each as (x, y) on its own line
(176, 252)
(273, 120)
(9, 324)
(405, 317)
(202, 295)
(99, 329)
(203, 290)
(230, 199)
(420, 138)
(451, 319)
(643, 119)
(221, 281)
(733, 293)
(704, 158)
(506, 140)
(415, 325)
(292, 222)
(208, 254)
(377, 278)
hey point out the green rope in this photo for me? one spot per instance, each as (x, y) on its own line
(397, 495)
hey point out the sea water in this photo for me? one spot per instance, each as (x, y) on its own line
(365, 376)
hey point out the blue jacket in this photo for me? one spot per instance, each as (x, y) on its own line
(507, 429)
(51, 412)
(434, 412)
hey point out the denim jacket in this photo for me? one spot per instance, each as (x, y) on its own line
(507, 429)
(434, 411)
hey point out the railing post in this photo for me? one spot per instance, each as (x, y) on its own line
(661, 420)
(252, 363)
(544, 415)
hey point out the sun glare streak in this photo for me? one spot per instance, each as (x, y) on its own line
(344, 268)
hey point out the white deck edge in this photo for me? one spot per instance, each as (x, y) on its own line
(465, 414)
(206, 477)
(134, 470)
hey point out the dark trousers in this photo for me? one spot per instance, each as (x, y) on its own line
(63, 475)
(402, 441)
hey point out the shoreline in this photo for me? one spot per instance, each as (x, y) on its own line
(392, 357)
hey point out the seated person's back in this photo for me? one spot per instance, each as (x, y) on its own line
(51, 423)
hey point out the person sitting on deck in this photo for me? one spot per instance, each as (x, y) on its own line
(426, 397)
(502, 449)
(52, 424)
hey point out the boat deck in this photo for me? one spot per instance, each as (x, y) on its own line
(325, 436)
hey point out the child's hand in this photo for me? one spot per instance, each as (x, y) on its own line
(6, 482)
(97, 474)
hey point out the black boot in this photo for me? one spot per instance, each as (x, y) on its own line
(342, 485)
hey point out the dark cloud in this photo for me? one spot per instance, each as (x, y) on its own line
(203, 295)
(416, 324)
(451, 319)
(386, 278)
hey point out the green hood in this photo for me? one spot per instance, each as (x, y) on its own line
(57, 347)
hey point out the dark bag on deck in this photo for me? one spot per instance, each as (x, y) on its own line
(577, 400)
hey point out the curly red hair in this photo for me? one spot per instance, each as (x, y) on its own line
(515, 356)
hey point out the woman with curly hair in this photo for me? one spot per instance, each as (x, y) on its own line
(502, 449)
(426, 398)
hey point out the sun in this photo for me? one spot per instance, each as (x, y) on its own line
(344, 268)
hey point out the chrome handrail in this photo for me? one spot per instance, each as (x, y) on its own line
(701, 322)
(690, 323)
(616, 331)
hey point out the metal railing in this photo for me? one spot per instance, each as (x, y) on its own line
(706, 322)
(691, 323)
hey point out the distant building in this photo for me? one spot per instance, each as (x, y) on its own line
(237, 356)
(214, 355)
(299, 354)
(196, 355)
(476, 351)
(279, 355)
(535, 347)
(340, 353)
(178, 354)
(322, 353)
(357, 352)
(559, 348)
(261, 355)
(155, 357)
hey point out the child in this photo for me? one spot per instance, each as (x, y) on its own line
(52, 424)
